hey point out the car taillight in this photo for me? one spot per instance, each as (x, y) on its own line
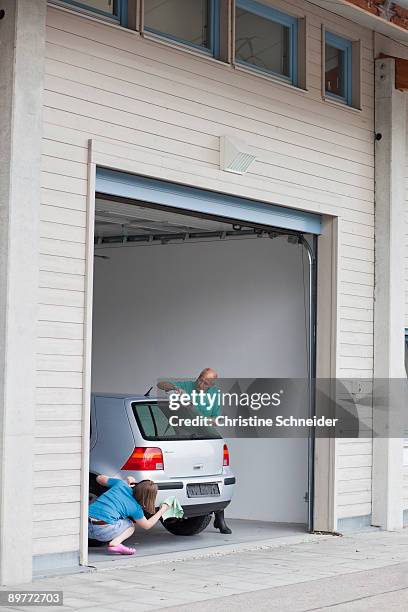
(226, 456)
(145, 458)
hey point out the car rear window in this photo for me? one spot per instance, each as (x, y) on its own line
(153, 422)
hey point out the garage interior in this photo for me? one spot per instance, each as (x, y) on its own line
(176, 292)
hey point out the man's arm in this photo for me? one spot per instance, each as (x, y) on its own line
(168, 386)
(145, 523)
(216, 408)
(103, 480)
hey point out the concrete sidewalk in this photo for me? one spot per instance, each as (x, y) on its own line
(384, 588)
(362, 571)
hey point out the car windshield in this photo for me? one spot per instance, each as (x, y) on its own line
(153, 421)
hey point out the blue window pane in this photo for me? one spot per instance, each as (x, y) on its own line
(262, 42)
(117, 9)
(107, 6)
(183, 20)
(335, 76)
(338, 68)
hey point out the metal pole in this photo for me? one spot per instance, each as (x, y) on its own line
(311, 371)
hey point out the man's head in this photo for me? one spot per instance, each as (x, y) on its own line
(206, 379)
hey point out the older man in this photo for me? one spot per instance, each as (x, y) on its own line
(209, 406)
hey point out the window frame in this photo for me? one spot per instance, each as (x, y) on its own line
(406, 347)
(213, 49)
(272, 14)
(122, 10)
(345, 45)
(405, 461)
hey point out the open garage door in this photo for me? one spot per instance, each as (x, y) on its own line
(193, 200)
(186, 279)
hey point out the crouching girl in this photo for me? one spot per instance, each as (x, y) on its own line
(113, 515)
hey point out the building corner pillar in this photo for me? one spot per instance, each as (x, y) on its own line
(390, 161)
(22, 50)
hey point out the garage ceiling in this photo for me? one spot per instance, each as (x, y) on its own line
(119, 222)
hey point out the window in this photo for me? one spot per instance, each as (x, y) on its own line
(194, 22)
(266, 39)
(154, 425)
(338, 68)
(117, 9)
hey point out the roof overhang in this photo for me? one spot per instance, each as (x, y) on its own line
(383, 16)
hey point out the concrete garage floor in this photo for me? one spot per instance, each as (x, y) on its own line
(158, 541)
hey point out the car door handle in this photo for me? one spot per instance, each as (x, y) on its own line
(198, 466)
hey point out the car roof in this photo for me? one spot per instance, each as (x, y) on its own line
(129, 396)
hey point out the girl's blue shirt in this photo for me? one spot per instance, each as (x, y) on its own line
(116, 503)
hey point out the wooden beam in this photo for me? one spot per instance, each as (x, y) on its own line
(398, 15)
(401, 71)
(371, 6)
(226, 31)
(133, 15)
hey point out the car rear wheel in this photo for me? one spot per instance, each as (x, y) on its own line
(188, 526)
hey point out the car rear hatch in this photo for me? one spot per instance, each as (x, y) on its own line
(184, 459)
(188, 451)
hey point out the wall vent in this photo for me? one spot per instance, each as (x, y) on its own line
(235, 156)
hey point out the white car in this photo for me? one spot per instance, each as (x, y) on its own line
(131, 436)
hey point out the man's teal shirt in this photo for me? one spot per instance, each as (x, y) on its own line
(204, 407)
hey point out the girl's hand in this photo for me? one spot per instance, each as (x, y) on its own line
(145, 523)
(130, 480)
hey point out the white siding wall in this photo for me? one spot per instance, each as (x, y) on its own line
(405, 473)
(405, 280)
(406, 249)
(406, 239)
(160, 111)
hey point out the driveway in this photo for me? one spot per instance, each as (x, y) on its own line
(360, 571)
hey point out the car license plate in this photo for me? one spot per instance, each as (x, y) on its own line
(206, 489)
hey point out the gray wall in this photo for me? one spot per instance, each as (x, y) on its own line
(236, 306)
